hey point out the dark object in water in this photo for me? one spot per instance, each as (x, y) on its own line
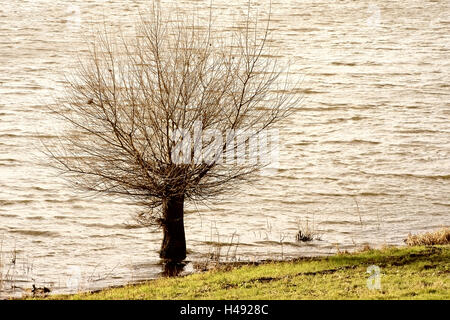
(43, 290)
(303, 237)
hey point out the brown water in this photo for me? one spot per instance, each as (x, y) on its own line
(366, 156)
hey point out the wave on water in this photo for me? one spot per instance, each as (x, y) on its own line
(34, 233)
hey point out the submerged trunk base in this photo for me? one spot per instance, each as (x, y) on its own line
(173, 247)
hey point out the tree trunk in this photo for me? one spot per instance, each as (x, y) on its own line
(173, 248)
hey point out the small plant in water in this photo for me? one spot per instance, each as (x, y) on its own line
(307, 232)
(303, 236)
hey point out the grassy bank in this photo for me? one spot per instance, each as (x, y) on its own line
(406, 273)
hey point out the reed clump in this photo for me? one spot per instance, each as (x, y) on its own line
(307, 232)
(438, 237)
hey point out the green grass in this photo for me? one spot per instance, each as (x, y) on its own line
(406, 273)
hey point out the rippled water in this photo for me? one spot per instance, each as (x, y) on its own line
(366, 156)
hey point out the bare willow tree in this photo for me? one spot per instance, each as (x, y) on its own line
(147, 114)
